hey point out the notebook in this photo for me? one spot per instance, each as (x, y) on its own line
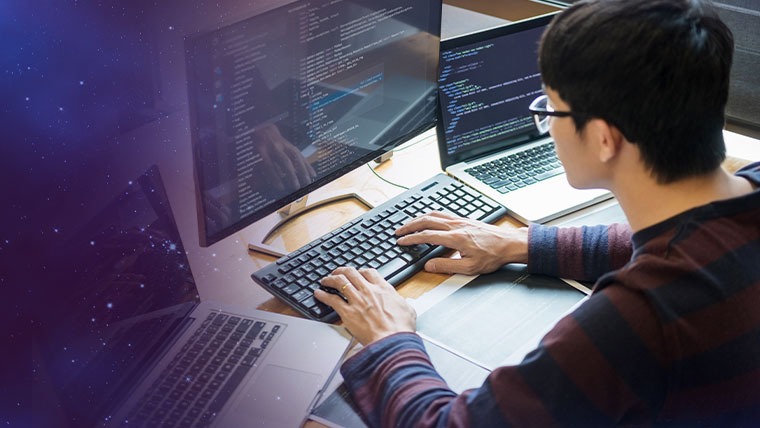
(486, 135)
(149, 353)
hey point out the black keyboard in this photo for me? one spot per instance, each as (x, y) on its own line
(200, 379)
(518, 170)
(369, 242)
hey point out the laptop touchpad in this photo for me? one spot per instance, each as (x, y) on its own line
(278, 397)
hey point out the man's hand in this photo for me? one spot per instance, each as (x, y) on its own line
(287, 168)
(373, 309)
(483, 247)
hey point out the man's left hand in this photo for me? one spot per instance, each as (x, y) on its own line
(373, 309)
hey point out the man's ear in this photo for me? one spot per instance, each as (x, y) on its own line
(607, 138)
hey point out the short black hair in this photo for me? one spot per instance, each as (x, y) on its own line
(657, 70)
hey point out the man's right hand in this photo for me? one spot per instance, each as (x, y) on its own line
(484, 248)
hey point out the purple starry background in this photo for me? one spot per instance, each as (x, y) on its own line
(89, 92)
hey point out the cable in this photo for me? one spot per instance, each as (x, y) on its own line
(424, 140)
(389, 182)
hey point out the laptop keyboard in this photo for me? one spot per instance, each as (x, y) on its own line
(370, 242)
(518, 170)
(200, 379)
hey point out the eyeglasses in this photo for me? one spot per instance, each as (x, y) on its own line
(542, 111)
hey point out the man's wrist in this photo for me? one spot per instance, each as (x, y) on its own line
(517, 246)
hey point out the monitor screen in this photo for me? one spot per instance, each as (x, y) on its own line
(285, 101)
(486, 87)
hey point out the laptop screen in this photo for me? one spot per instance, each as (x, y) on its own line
(133, 288)
(486, 82)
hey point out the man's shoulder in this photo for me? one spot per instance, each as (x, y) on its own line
(695, 266)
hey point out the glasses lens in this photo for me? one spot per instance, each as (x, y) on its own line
(542, 123)
(539, 103)
(538, 106)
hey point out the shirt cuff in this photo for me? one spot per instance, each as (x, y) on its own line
(542, 250)
(363, 362)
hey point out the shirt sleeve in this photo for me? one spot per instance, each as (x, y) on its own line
(603, 364)
(581, 253)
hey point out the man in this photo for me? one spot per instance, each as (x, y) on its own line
(671, 333)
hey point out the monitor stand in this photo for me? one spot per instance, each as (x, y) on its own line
(297, 208)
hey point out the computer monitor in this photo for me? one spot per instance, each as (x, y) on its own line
(283, 102)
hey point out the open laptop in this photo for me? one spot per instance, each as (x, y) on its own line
(148, 353)
(486, 135)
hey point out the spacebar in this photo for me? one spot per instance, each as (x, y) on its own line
(394, 265)
(547, 174)
(229, 387)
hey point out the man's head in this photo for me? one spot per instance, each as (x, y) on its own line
(656, 70)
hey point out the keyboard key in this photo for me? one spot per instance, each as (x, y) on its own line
(248, 360)
(219, 320)
(549, 174)
(391, 267)
(229, 387)
(302, 295)
(254, 331)
(416, 251)
(308, 303)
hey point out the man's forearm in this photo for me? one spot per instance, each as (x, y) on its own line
(582, 253)
(394, 383)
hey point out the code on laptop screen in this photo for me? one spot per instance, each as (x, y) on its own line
(486, 88)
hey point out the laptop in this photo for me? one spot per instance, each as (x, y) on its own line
(149, 353)
(487, 137)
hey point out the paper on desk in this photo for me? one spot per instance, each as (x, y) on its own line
(493, 316)
(742, 147)
(442, 291)
(518, 355)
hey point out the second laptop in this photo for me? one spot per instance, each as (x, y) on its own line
(486, 135)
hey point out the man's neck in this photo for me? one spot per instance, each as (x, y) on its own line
(646, 203)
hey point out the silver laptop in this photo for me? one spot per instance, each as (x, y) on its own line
(272, 375)
(153, 355)
(487, 137)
